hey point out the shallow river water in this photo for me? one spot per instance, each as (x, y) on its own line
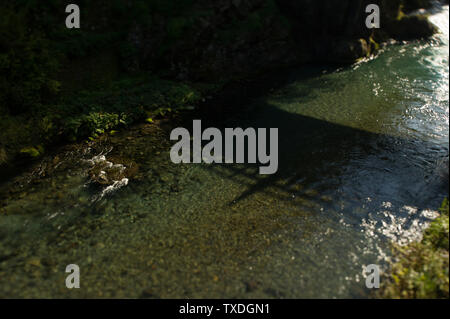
(363, 163)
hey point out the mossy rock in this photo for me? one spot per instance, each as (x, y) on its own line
(32, 152)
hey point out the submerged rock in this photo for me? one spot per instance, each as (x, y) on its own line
(104, 172)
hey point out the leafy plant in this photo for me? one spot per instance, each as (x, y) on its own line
(422, 269)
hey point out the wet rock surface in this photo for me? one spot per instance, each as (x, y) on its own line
(230, 39)
(105, 172)
(412, 27)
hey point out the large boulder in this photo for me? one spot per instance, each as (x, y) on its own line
(412, 27)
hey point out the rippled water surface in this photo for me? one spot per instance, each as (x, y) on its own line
(363, 162)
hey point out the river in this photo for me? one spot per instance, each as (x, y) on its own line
(363, 163)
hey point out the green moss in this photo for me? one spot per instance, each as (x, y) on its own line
(422, 269)
(91, 113)
(32, 151)
(374, 45)
(437, 235)
(400, 14)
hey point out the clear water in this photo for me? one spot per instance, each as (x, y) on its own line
(363, 164)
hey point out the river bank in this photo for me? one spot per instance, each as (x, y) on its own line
(105, 90)
(420, 270)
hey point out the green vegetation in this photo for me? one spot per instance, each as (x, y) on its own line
(26, 64)
(422, 269)
(61, 85)
(124, 102)
(90, 113)
(32, 151)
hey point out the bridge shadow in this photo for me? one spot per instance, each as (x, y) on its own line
(319, 158)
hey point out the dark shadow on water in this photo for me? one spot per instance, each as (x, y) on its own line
(319, 158)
